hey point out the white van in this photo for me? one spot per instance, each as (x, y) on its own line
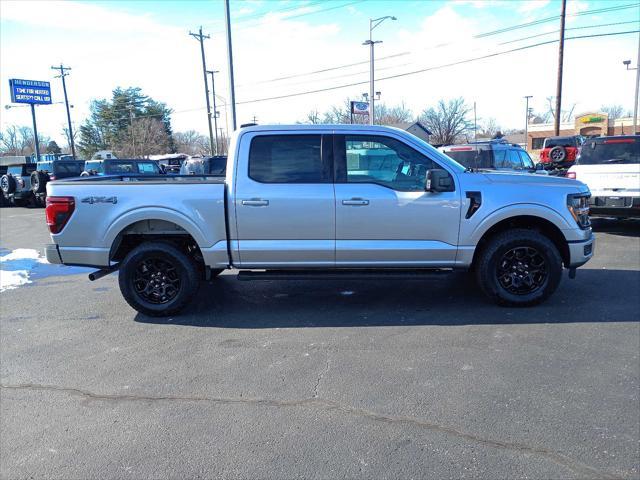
(610, 166)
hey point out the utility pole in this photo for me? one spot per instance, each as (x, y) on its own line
(215, 110)
(635, 98)
(200, 37)
(63, 73)
(254, 119)
(223, 142)
(35, 132)
(560, 62)
(373, 23)
(232, 89)
(526, 122)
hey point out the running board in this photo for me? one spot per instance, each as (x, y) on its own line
(340, 274)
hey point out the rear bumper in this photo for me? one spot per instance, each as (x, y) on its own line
(52, 253)
(614, 206)
(580, 252)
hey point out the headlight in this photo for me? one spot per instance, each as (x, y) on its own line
(578, 205)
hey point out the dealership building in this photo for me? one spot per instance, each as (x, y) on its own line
(587, 124)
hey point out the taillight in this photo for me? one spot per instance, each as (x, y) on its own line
(58, 212)
(571, 175)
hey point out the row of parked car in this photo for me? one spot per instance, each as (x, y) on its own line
(610, 166)
(24, 183)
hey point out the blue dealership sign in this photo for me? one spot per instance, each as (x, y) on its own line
(30, 91)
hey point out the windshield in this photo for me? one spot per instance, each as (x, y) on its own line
(192, 167)
(133, 167)
(623, 150)
(480, 158)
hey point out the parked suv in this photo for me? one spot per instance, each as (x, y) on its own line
(53, 168)
(491, 155)
(16, 184)
(610, 166)
(560, 152)
(204, 166)
(115, 166)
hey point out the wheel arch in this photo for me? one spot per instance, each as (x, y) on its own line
(530, 222)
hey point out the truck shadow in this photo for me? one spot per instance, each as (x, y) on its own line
(453, 299)
(623, 228)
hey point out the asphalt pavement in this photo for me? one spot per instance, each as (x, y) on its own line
(319, 379)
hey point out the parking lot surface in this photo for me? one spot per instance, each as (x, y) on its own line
(319, 379)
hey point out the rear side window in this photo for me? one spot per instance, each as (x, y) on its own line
(95, 166)
(288, 159)
(610, 151)
(67, 168)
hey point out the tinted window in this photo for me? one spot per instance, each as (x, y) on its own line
(501, 158)
(514, 160)
(526, 160)
(218, 165)
(537, 143)
(474, 158)
(96, 166)
(623, 150)
(288, 159)
(560, 142)
(385, 161)
(148, 168)
(67, 168)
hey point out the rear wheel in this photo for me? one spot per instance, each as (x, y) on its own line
(519, 268)
(39, 181)
(158, 279)
(7, 184)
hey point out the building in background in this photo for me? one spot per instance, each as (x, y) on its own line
(416, 128)
(588, 124)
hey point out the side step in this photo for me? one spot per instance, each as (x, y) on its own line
(340, 274)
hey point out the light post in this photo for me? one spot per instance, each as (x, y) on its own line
(526, 122)
(373, 23)
(635, 98)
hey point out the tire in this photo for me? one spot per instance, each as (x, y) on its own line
(157, 279)
(84, 174)
(39, 181)
(506, 268)
(557, 154)
(8, 184)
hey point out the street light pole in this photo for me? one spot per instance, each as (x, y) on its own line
(373, 23)
(63, 74)
(526, 122)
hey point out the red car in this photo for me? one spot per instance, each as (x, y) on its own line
(560, 151)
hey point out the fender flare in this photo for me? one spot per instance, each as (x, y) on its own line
(518, 210)
(153, 213)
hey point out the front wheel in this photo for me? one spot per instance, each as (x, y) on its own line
(519, 268)
(157, 279)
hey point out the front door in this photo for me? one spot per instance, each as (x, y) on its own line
(384, 216)
(284, 202)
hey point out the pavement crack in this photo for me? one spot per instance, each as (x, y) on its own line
(321, 376)
(581, 469)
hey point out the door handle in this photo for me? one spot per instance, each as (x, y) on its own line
(256, 202)
(356, 202)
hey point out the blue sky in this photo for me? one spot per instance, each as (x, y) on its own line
(146, 44)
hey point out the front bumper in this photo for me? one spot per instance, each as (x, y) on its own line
(581, 251)
(52, 253)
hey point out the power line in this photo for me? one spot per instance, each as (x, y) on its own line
(567, 29)
(480, 35)
(460, 62)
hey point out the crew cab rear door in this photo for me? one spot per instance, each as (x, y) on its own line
(384, 216)
(284, 200)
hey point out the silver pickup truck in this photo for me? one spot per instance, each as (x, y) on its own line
(322, 200)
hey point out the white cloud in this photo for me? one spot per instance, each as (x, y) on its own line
(528, 6)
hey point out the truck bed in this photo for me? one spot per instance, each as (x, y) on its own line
(155, 179)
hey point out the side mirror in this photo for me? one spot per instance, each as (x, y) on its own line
(539, 166)
(438, 180)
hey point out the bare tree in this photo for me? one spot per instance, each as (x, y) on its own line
(489, 128)
(10, 141)
(313, 117)
(393, 115)
(615, 111)
(341, 114)
(447, 121)
(550, 114)
(65, 134)
(191, 143)
(147, 136)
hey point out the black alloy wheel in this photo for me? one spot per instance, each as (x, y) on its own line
(522, 270)
(156, 280)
